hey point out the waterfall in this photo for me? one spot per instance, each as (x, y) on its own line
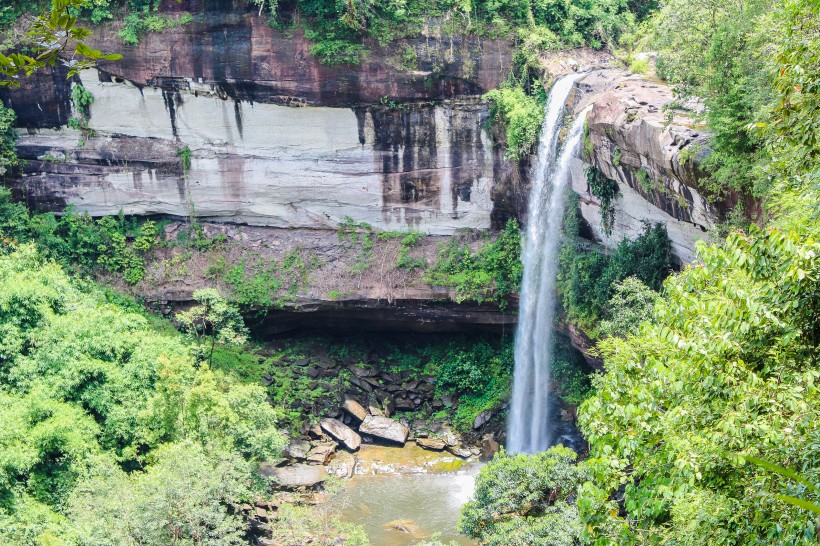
(528, 428)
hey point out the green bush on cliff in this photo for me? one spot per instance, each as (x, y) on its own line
(491, 273)
(717, 52)
(520, 115)
(8, 139)
(588, 276)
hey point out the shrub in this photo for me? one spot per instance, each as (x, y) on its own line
(8, 140)
(524, 499)
(588, 277)
(607, 191)
(521, 116)
(492, 273)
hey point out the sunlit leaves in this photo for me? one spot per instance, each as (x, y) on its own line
(729, 363)
(52, 37)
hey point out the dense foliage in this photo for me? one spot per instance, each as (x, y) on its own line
(81, 241)
(8, 138)
(588, 277)
(338, 28)
(105, 415)
(717, 51)
(490, 273)
(523, 499)
(694, 387)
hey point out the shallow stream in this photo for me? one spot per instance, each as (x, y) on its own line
(404, 495)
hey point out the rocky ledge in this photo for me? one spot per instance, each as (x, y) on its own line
(312, 279)
(653, 156)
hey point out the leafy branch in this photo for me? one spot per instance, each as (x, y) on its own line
(52, 36)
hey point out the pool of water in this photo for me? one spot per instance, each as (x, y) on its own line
(407, 494)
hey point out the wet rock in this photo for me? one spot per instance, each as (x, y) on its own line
(321, 453)
(355, 409)
(358, 371)
(297, 449)
(460, 451)
(364, 385)
(426, 388)
(342, 433)
(489, 446)
(433, 444)
(404, 404)
(481, 419)
(297, 475)
(342, 465)
(384, 428)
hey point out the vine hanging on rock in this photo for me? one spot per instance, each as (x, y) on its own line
(607, 191)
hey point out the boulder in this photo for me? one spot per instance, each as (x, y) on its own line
(321, 453)
(355, 409)
(460, 451)
(481, 419)
(297, 475)
(342, 433)
(404, 404)
(362, 372)
(489, 446)
(342, 465)
(450, 438)
(407, 526)
(385, 428)
(433, 444)
(297, 449)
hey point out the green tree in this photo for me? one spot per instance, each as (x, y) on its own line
(184, 498)
(631, 304)
(213, 319)
(91, 394)
(52, 37)
(728, 364)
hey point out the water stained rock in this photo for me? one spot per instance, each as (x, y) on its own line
(405, 153)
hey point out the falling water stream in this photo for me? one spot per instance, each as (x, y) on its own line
(528, 427)
(407, 504)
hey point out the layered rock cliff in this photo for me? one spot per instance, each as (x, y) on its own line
(274, 137)
(232, 122)
(652, 157)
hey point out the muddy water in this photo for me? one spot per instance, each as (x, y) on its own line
(404, 495)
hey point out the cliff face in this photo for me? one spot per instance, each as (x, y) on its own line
(275, 137)
(280, 141)
(654, 160)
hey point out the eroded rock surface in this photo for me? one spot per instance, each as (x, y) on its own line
(654, 161)
(385, 429)
(272, 136)
(341, 433)
(297, 475)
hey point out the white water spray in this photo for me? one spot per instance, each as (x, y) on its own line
(528, 429)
